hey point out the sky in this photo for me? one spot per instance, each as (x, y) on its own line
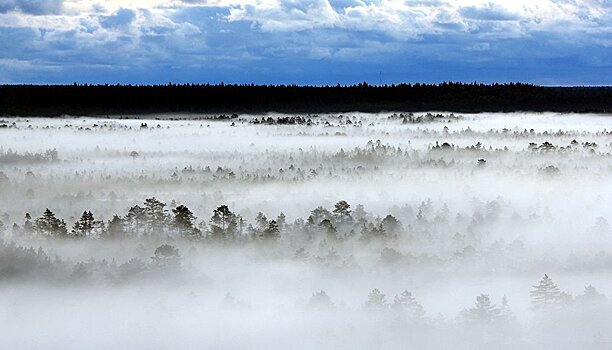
(306, 42)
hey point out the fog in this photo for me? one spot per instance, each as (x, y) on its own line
(391, 230)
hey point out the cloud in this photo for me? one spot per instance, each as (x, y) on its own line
(488, 12)
(287, 15)
(32, 7)
(303, 40)
(122, 18)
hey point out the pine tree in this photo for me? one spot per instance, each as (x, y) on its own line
(84, 226)
(28, 227)
(319, 214)
(134, 218)
(262, 223)
(115, 229)
(271, 233)
(483, 311)
(406, 303)
(281, 220)
(342, 211)
(183, 222)
(546, 294)
(155, 216)
(50, 226)
(223, 224)
(391, 225)
(376, 301)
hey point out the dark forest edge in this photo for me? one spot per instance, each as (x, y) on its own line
(101, 100)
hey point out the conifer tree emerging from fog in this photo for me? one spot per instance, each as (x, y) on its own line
(377, 301)
(28, 227)
(546, 294)
(155, 217)
(342, 211)
(50, 226)
(271, 232)
(134, 218)
(116, 228)
(406, 303)
(84, 226)
(484, 311)
(261, 224)
(223, 224)
(183, 222)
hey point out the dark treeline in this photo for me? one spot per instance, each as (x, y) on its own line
(51, 100)
(154, 220)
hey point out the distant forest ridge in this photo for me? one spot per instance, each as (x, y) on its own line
(76, 99)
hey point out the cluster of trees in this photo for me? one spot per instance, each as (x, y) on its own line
(153, 219)
(546, 298)
(549, 147)
(19, 262)
(28, 100)
(150, 219)
(410, 118)
(10, 156)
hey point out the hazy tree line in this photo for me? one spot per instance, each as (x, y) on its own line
(153, 219)
(9, 156)
(546, 296)
(29, 100)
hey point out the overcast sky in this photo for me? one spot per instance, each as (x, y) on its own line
(551, 42)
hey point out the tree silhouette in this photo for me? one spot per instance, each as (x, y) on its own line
(546, 294)
(166, 257)
(50, 226)
(391, 225)
(261, 224)
(115, 228)
(376, 301)
(28, 227)
(271, 232)
(134, 218)
(223, 224)
(155, 216)
(183, 222)
(84, 226)
(407, 304)
(483, 311)
(342, 211)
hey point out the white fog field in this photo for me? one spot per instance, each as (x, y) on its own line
(331, 231)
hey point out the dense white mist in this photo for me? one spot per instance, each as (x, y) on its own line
(487, 204)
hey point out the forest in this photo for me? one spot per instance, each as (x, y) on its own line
(101, 100)
(365, 230)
